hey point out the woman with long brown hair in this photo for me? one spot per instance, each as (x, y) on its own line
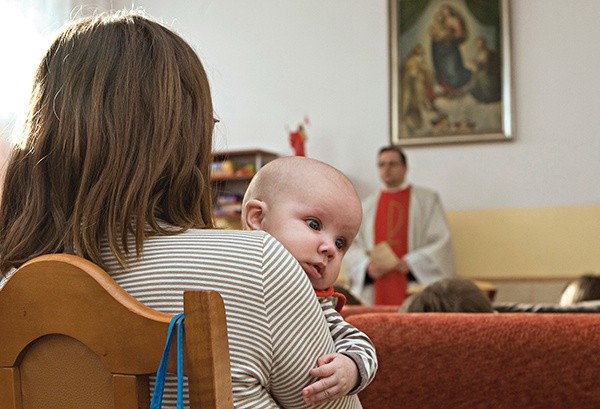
(114, 166)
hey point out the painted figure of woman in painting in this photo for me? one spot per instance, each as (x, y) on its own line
(417, 88)
(448, 31)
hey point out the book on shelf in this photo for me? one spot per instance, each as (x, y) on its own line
(228, 204)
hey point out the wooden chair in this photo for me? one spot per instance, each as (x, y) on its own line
(70, 337)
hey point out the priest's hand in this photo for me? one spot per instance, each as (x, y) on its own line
(403, 266)
(375, 271)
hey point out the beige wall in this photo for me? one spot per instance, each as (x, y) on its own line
(528, 254)
(539, 243)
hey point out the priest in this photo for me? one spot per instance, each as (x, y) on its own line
(407, 221)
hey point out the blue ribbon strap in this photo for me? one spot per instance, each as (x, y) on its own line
(161, 373)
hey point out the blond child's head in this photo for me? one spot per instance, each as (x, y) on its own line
(311, 208)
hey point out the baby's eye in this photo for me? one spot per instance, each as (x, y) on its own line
(313, 224)
(340, 243)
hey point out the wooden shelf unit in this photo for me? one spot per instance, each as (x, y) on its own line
(232, 172)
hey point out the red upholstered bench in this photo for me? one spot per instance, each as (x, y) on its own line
(511, 360)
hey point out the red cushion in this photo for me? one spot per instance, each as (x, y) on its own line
(450, 360)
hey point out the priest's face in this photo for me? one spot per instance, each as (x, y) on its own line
(391, 169)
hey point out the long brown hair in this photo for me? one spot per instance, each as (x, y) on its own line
(118, 136)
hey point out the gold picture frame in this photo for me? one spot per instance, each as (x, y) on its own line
(450, 71)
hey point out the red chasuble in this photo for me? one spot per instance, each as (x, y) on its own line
(391, 225)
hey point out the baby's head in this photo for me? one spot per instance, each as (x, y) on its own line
(584, 288)
(449, 295)
(310, 207)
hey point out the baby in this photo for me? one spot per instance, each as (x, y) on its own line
(314, 211)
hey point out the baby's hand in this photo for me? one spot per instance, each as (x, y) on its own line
(338, 375)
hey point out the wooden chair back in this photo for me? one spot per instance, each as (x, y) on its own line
(71, 337)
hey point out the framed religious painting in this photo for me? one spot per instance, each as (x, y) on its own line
(450, 71)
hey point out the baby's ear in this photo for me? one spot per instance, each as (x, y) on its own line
(253, 214)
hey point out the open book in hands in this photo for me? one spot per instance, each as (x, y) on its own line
(383, 256)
